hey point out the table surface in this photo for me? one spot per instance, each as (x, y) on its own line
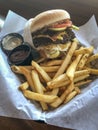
(80, 12)
(19, 124)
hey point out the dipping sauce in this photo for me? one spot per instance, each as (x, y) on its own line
(18, 56)
(10, 41)
(21, 55)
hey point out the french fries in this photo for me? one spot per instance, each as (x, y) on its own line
(70, 96)
(50, 68)
(92, 58)
(63, 96)
(39, 97)
(82, 62)
(41, 71)
(52, 63)
(81, 83)
(84, 50)
(66, 82)
(24, 86)
(72, 68)
(57, 82)
(54, 82)
(67, 60)
(38, 87)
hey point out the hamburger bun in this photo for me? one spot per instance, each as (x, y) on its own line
(48, 17)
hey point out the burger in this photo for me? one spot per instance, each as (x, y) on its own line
(50, 32)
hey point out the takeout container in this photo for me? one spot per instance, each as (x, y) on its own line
(17, 51)
(20, 55)
(11, 41)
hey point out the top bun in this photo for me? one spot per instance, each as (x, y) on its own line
(48, 17)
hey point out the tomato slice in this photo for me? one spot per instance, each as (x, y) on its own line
(66, 23)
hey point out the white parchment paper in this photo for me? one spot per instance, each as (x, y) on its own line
(81, 113)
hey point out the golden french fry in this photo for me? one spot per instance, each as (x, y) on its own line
(77, 90)
(82, 62)
(92, 71)
(23, 86)
(38, 87)
(23, 70)
(27, 75)
(52, 63)
(36, 82)
(91, 58)
(81, 83)
(77, 79)
(72, 68)
(28, 67)
(63, 79)
(70, 96)
(56, 103)
(45, 76)
(84, 50)
(16, 69)
(67, 59)
(45, 68)
(54, 86)
(43, 87)
(67, 82)
(44, 105)
(55, 91)
(57, 80)
(50, 68)
(59, 101)
(39, 97)
(81, 72)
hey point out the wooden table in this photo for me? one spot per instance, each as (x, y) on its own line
(19, 124)
(80, 12)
